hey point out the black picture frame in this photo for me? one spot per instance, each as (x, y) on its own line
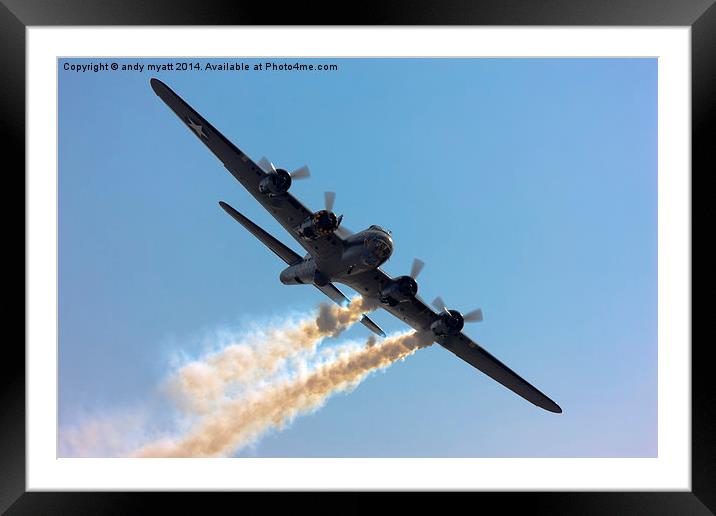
(700, 15)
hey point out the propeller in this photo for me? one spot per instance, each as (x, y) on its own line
(417, 266)
(330, 198)
(473, 316)
(439, 305)
(266, 165)
(298, 174)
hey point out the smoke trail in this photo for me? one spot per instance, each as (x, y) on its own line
(230, 397)
(199, 385)
(104, 435)
(239, 421)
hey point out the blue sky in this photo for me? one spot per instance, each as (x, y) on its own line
(528, 186)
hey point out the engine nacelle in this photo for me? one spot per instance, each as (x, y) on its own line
(303, 273)
(448, 324)
(322, 223)
(275, 183)
(399, 290)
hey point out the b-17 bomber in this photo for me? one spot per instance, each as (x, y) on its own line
(334, 254)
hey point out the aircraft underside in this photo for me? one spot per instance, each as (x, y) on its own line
(334, 254)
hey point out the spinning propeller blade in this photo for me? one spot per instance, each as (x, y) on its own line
(301, 173)
(474, 316)
(330, 198)
(417, 266)
(298, 174)
(439, 305)
(266, 165)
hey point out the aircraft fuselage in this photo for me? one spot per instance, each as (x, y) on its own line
(363, 251)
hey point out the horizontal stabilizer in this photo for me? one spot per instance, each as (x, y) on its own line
(282, 251)
(340, 299)
(368, 323)
(336, 295)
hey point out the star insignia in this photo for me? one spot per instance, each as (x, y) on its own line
(197, 128)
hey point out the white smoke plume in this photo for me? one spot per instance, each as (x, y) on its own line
(199, 385)
(231, 397)
(239, 421)
(106, 435)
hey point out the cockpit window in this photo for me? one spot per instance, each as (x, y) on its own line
(378, 228)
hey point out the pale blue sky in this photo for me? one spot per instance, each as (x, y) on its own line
(528, 186)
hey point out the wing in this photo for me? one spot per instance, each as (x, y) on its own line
(415, 313)
(419, 316)
(473, 354)
(286, 209)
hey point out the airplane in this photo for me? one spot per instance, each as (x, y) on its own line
(335, 255)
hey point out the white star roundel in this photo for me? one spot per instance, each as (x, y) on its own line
(197, 128)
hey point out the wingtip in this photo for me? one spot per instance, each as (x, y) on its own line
(554, 408)
(228, 209)
(156, 84)
(547, 404)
